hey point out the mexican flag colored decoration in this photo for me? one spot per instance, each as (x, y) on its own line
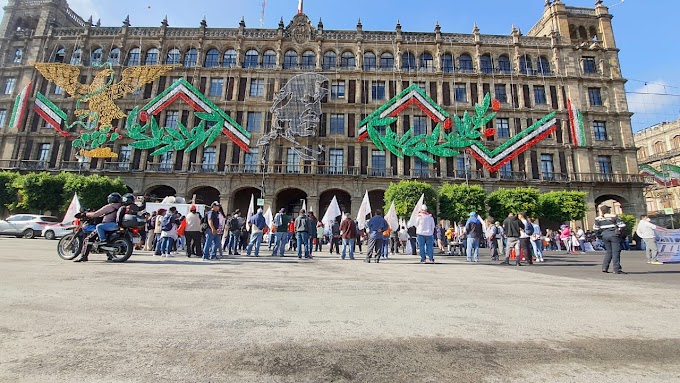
(20, 108)
(669, 175)
(578, 131)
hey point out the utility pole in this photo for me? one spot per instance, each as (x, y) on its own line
(264, 9)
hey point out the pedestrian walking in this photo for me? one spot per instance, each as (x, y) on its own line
(348, 232)
(475, 231)
(645, 230)
(376, 226)
(610, 228)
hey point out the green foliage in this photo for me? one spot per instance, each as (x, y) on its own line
(40, 192)
(562, 206)
(630, 222)
(92, 190)
(406, 194)
(8, 193)
(457, 201)
(503, 201)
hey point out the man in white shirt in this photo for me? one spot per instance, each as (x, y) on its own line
(645, 230)
(425, 231)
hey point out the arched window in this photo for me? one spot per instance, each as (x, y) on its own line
(447, 63)
(133, 56)
(191, 58)
(573, 34)
(151, 57)
(426, 62)
(676, 142)
(486, 64)
(465, 63)
(525, 66)
(269, 59)
(114, 56)
(544, 66)
(593, 33)
(77, 57)
(290, 60)
(582, 33)
(370, 62)
(659, 148)
(504, 64)
(212, 58)
(96, 56)
(308, 60)
(387, 61)
(229, 60)
(252, 59)
(329, 60)
(408, 62)
(60, 55)
(348, 61)
(642, 153)
(174, 56)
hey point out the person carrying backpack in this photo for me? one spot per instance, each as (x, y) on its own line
(302, 223)
(281, 222)
(212, 233)
(234, 227)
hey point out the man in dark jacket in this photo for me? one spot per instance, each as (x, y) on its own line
(348, 231)
(512, 227)
(335, 237)
(311, 230)
(475, 232)
(412, 238)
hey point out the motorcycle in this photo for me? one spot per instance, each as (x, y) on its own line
(118, 245)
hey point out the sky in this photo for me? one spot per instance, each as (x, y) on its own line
(644, 30)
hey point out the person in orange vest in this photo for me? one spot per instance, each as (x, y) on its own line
(386, 242)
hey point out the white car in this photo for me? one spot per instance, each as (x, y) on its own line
(25, 225)
(57, 230)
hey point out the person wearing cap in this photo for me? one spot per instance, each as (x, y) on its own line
(512, 227)
(281, 221)
(234, 224)
(257, 225)
(610, 228)
(475, 231)
(192, 233)
(425, 227)
(212, 233)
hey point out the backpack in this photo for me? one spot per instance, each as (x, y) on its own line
(233, 224)
(529, 228)
(166, 223)
(303, 223)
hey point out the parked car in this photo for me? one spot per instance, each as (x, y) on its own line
(57, 230)
(25, 225)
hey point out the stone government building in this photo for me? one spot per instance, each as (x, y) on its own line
(569, 54)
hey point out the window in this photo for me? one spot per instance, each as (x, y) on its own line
(337, 90)
(229, 60)
(293, 161)
(642, 153)
(408, 62)
(308, 60)
(539, 95)
(125, 154)
(44, 152)
(378, 164)
(254, 121)
(420, 168)
(486, 64)
(337, 123)
(251, 159)
(256, 87)
(544, 65)
(370, 62)
(378, 90)
(76, 57)
(212, 58)
(348, 61)
(600, 130)
(191, 58)
(604, 164)
(504, 64)
(505, 171)
(166, 161)
(133, 57)
(151, 57)
(58, 90)
(659, 148)
(171, 118)
(426, 62)
(676, 142)
(269, 59)
(460, 93)
(96, 57)
(329, 60)
(18, 56)
(173, 56)
(447, 63)
(419, 125)
(335, 157)
(465, 63)
(386, 61)
(501, 94)
(60, 55)
(252, 58)
(9, 85)
(3, 116)
(503, 127)
(216, 86)
(462, 166)
(114, 56)
(525, 66)
(589, 65)
(595, 97)
(547, 166)
(209, 159)
(290, 60)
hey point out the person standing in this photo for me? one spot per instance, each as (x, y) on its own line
(157, 231)
(192, 232)
(474, 230)
(348, 231)
(319, 236)
(212, 233)
(412, 237)
(512, 227)
(335, 237)
(302, 223)
(234, 227)
(257, 225)
(565, 236)
(169, 232)
(151, 236)
(611, 229)
(492, 236)
(500, 238)
(537, 240)
(281, 222)
(645, 230)
(311, 230)
(376, 226)
(581, 237)
(394, 241)
(425, 228)
(525, 238)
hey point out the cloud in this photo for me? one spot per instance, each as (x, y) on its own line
(653, 97)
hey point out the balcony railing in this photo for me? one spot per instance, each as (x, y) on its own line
(424, 173)
(75, 166)
(512, 176)
(203, 168)
(160, 168)
(117, 166)
(33, 165)
(337, 170)
(380, 172)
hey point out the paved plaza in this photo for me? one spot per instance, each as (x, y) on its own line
(327, 320)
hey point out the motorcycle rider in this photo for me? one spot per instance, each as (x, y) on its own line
(109, 215)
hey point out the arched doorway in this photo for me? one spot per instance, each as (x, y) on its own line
(205, 195)
(377, 200)
(344, 201)
(242, 200)
(618, 204)
(157, 193)
(291, 200)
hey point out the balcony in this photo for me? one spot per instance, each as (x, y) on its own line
(512, 176)
(160, 168)
(380, 172)
(337, 170)
(466, 175)
(424, 173)
(207, 168)
(121, 167)
(74, 166)
(554, 177)
(33, 165)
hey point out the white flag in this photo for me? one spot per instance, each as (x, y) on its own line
(364, 210)
(73, 209)
(392, 218)
(418, 208)
(332, 212)
(304, 205)
(268, 217)
(251, 210)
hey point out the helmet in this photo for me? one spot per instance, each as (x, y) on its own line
(114, 198)
(128, 199)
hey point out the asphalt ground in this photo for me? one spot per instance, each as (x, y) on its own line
(326, 320)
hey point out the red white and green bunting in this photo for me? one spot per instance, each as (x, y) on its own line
(20, 108)
(51, 113)
(578, 131)
(669, 175)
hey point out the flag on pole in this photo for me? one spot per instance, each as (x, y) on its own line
(332, 212)
(304, 205)
(392, 218)
(72, 210)
(416, 210)
(268, 217)
(251, 210)
(364, 210)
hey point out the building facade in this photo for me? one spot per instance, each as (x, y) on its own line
(568, 58)
(659, 157)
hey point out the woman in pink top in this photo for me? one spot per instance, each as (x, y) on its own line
(565, 236)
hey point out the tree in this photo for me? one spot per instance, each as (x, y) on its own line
(630, 222)
(8, 193)
(40, 192)
(562, 206)
(503, 201)
(406, 194)
(457, 201)
(92, 190)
